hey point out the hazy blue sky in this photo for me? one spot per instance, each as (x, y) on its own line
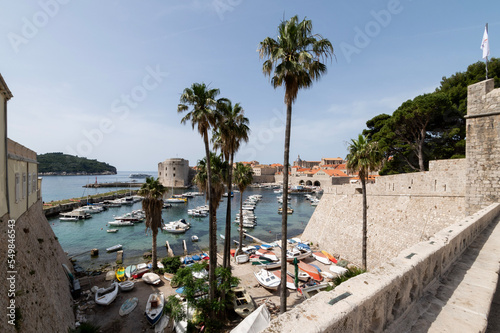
(102, 79)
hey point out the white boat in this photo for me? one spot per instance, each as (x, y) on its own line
(69, 218)
(266, 254)
(302, 276)
(151, 278)
(176, 200)
(174, 229)
(139, 175)
(91, 209)
(338, 270)
(126, 285)
(154, 308)
(321, 258)
(267, 279)
(241, 259)
(194, 238)
(129, 270)
(104, 296)
(296, 253)
(128, 306)
(257, 321)
(121, 223)
(114, 248)
(112, 230)
(243, 302)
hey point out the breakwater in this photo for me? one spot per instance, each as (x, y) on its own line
(53, 209)
(113, 184)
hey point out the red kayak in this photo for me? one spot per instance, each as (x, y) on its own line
(138, 274)
(311, 270)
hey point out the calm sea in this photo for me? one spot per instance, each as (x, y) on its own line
(80, 237)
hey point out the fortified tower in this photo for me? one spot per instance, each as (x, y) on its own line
(482, 146)
(174, 172)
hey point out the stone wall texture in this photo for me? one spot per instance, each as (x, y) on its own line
(40, 282)
(483, 145)
(402, 210)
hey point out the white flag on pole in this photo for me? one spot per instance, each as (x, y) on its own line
(485, 45)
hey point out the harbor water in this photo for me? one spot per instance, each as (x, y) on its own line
(78, 238)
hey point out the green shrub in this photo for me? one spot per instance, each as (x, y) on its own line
(171, 264)
(351, 272)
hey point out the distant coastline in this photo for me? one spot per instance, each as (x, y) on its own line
(83, 173)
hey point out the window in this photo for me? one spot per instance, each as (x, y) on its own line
(24, 185)
(165, 168)
(18, 188)
(29, 183)
(34, 180)
(174, 168)
(174, 174)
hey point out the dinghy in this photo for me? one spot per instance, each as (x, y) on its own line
(128, 306)
(267, 279)
(321, 258)
(154, 308)
(130, 270)
(311, 270)
(126, 285)
(114, 248)
(243, 302)
(104, 296)
(151, 278)
(139, 273)
(120, 274)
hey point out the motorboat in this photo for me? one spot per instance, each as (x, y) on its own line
(267, 279)
(296, 253)
(289, 210)
(104, 296)
(174, 200)
(151, 278)
(174, 229)
(243, 302)
(112, 231)
(154, 308)
(139, 175)
(114, 248)
(290, 283)
(121, 223)
(69, 218)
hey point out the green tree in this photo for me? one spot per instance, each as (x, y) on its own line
(363, 158)
(232, 131)
(243, 176)
(294, 60)
(204, 116)
(152, 191)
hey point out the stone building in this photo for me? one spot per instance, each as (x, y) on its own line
(263, 173)
(41, 300)
(174, 172)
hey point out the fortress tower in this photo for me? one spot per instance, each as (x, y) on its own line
(482, 146)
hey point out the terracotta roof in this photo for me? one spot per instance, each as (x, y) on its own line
(276, 165)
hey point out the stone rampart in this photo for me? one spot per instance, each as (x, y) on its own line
(402, 211)
(374, 301)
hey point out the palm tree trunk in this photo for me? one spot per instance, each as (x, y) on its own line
(211, 230)
(284, 214)
(365, 231)
(153, 249)
(240, 250)
(227, 244)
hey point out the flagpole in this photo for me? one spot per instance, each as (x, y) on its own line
(487, 56)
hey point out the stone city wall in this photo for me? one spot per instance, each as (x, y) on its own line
(374, 301)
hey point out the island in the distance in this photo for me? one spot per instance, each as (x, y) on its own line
(64, 164)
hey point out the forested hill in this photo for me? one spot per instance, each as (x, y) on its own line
(63, 164)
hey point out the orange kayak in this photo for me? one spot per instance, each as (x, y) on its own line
(329, 256)
(311, 270)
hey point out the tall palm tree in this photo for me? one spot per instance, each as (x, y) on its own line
(232, 131)
(204, 116)
(363, 158)
(294, 60)
(152, 191)
(243, 176)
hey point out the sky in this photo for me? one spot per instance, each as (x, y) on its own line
(102, 79)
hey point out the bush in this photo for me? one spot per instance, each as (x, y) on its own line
(351, 272)
(171, 264)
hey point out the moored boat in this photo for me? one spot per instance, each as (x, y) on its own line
(114, 248)
(112, 230)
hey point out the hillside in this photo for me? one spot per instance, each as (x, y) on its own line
(63, 164)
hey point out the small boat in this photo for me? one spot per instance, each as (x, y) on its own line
(168, 276)
(112, 230)
(265, 264)
(126, 285)
(114, 248)
(139, 273)
(68, 218)
(204, 256)
(128, 306)
(338, 270)
(311, 270)
(267, 246)
(154, 308)
(139, 175)
(289, 210)
(222, 236)
(326, 275)
(196, 257)
(330, 257)
(151, 278)
(302, 276)
(266, 254)
(142, 265)
(120, 274)
(243, 302)
(296, 253)
(129, 270)
(187, 260)
(321, 258)
(290, 283)
(174, 229)
(257, 321)
(201, 274)
(104, 296)
(267, 279)
(241, 259)
(158, 265)
(303, 246)
(176, 200)
(121, 223)
(194, 238)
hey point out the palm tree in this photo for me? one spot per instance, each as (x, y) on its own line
(152, 191)
(363, 158)
(204, 116)
(243, 176)
(232, 131)
(294, 60)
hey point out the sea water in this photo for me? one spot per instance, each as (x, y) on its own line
(78, 238)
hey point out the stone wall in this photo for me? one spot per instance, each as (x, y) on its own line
(402, 210)
(42, 291)
(381, 299)
(483, 145)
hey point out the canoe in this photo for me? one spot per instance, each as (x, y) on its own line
(151, 278)
(126, 285)
(139, 273)
(128, 306)
(104, 296)
(114, 248)
(154, 308)
(267, 279)
(243, 302)
(330, 257)
(321, 258)
(311, 270)
(120, 274)
(290, 283)
(129, 270)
